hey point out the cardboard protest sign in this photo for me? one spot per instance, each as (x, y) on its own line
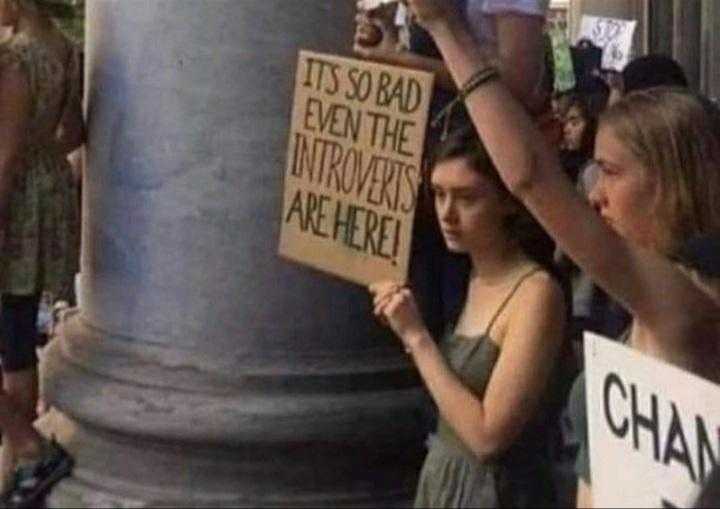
(354, 166)
(613, 35)
(653, 428)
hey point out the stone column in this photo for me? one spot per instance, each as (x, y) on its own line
(200, 369)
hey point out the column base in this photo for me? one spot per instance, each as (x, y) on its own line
(140, 442)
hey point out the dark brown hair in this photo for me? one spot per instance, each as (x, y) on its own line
(464, 143)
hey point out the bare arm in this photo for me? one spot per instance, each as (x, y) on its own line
(656, 292)
(520, 54)
(14, 117)
(532, 340)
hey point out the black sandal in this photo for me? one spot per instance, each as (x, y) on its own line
(31, 483)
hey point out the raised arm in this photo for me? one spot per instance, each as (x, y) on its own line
(520, 54)
(656, 292)
(489, 425)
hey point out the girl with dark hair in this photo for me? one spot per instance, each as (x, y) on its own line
(658, 152)
(580, 124)
(592, 308)
(490, 376)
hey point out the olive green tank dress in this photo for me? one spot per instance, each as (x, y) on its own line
(452, 476)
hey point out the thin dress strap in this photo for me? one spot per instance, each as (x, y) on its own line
(508, 298)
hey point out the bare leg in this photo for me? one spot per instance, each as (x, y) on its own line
(22, 389)
(24, 440)
(17, 412)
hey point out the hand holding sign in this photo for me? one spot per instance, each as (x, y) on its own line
(395, 305)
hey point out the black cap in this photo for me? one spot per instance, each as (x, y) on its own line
(653, 71)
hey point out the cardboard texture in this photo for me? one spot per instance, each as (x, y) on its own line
(354, 167)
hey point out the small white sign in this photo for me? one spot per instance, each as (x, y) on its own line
(613, 35)
(653, 428)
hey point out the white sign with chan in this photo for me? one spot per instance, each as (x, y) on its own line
(614, 36)
(653, 428)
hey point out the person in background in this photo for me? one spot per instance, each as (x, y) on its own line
(645, 72)
(559, 103)
(491, 377)
(579, 127)
(593, 309)
(658, 151)
(496, 24)
(40, 123)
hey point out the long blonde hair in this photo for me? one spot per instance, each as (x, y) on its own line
(675, 134)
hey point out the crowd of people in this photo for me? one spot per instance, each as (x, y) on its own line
(627, 193)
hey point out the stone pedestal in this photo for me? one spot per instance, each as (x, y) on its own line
(200, 369)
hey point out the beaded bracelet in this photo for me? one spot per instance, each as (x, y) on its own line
(478, 79)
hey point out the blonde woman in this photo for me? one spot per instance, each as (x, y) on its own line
(658, 152)
(40, 123)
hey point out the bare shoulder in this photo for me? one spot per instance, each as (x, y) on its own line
(539, 294)
(537, 309)
(541, 284)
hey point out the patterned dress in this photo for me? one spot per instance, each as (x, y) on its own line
(41, 248)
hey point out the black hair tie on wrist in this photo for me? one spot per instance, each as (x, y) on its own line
(478, 79)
